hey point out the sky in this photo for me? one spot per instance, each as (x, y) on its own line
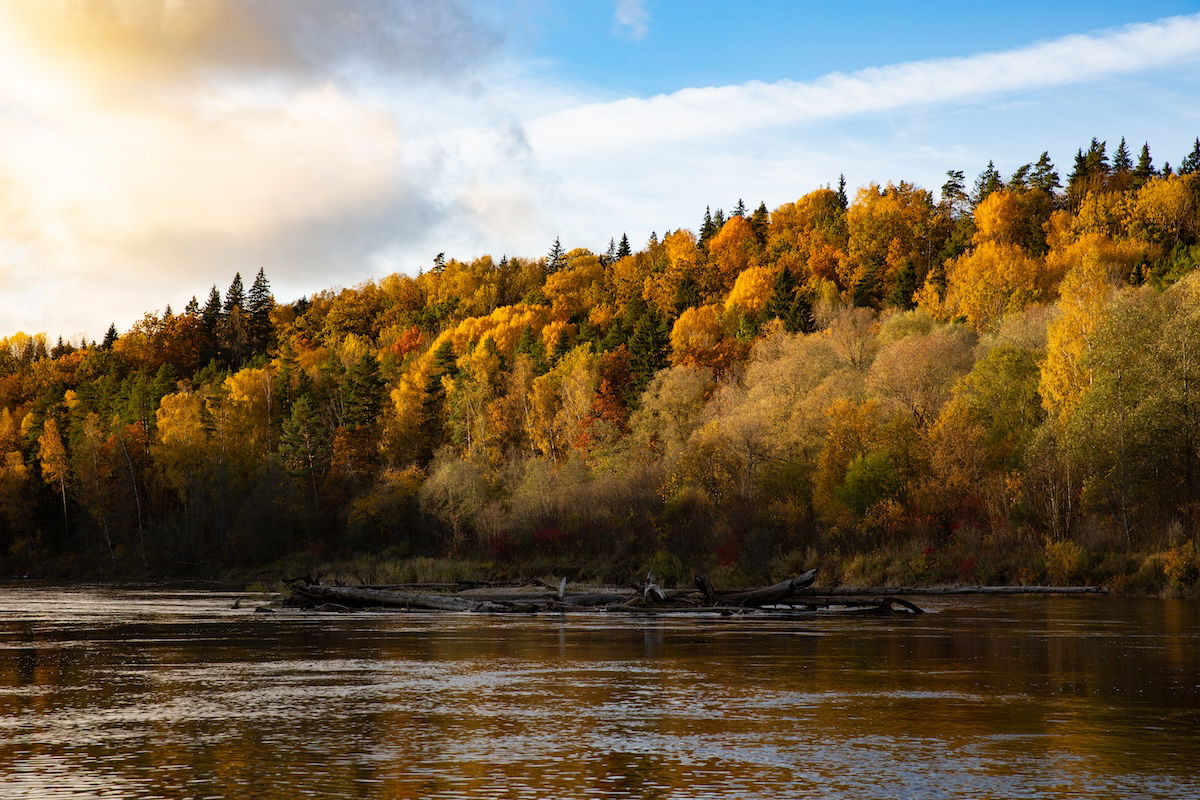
(152, 148)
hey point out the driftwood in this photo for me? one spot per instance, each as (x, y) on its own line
(786, 598)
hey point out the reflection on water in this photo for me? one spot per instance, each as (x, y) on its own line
(138, 694)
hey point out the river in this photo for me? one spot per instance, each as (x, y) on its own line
(120, 693)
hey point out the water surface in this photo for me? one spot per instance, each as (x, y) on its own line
(172, 694)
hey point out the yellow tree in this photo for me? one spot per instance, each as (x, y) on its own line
(56, 468)
(994, 279)
(1085, 297)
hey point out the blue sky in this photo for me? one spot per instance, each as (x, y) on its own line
(148, 150)
(706, 43)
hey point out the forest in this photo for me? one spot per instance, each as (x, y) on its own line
(999, 383)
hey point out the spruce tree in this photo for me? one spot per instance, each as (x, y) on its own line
(192, 309)
(760, 223)
(555, 259)
(1191, 162)
(235, 296)
(905, 286)
(740, 209)
(707, 227)
(842, 199)
(363, 392)
(1144, 170)
(623, 248)
(1122, 163)
(110, 337)
(259, 304)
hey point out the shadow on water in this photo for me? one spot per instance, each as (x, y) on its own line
(156, 694)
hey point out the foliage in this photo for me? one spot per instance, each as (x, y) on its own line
(996, 387)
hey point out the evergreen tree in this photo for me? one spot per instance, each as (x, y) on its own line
(212, 311)
(1122, 163)
(1044, 176)
(192, 309)
(1144, 170)
(623, 248)
(304, 443)
(1191, 162)
(843, 200)
(1097, 158)
(434, 403)
(760, 223)
(110, 338)
(718, 221)
(988, 181)
(610, 255)
(363, 392)
(1166, 169)
(740, 209)
(439, 264)
(905, 286)
(790, 304)
(259, 304)
(649, 346)
(954, 196)
(1020, 178)
(531, 345)
(235, 296)
(555, 259)
(707, 228)
(782, 294)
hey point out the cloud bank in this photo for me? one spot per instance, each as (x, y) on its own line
(704, 113)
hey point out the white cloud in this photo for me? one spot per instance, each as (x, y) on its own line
(705, 113)
(632, 19)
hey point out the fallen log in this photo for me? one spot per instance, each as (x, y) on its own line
(756, 597)
(360, 598)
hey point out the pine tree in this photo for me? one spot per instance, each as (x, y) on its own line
(1044, 176)
(610, 255)
(1020, 178)
(439, 263)
(1097, 158)
(555, 258)
(988, 181)
(192, 309)
(110, 338)
(623, 249)
(1191, 162)
(740, 209)
(954, 195)
(718, 221)
(843, 200)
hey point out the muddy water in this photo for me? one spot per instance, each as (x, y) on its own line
(152, 694)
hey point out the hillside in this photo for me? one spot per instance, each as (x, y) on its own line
(999, 385)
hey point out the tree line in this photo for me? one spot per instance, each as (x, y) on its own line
(998, 383)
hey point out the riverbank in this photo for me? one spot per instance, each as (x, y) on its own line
(1170, 570)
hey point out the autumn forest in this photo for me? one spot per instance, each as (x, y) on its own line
(997, 381)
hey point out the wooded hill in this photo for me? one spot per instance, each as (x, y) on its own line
(999, 384)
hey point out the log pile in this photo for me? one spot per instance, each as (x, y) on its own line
(787, 598)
